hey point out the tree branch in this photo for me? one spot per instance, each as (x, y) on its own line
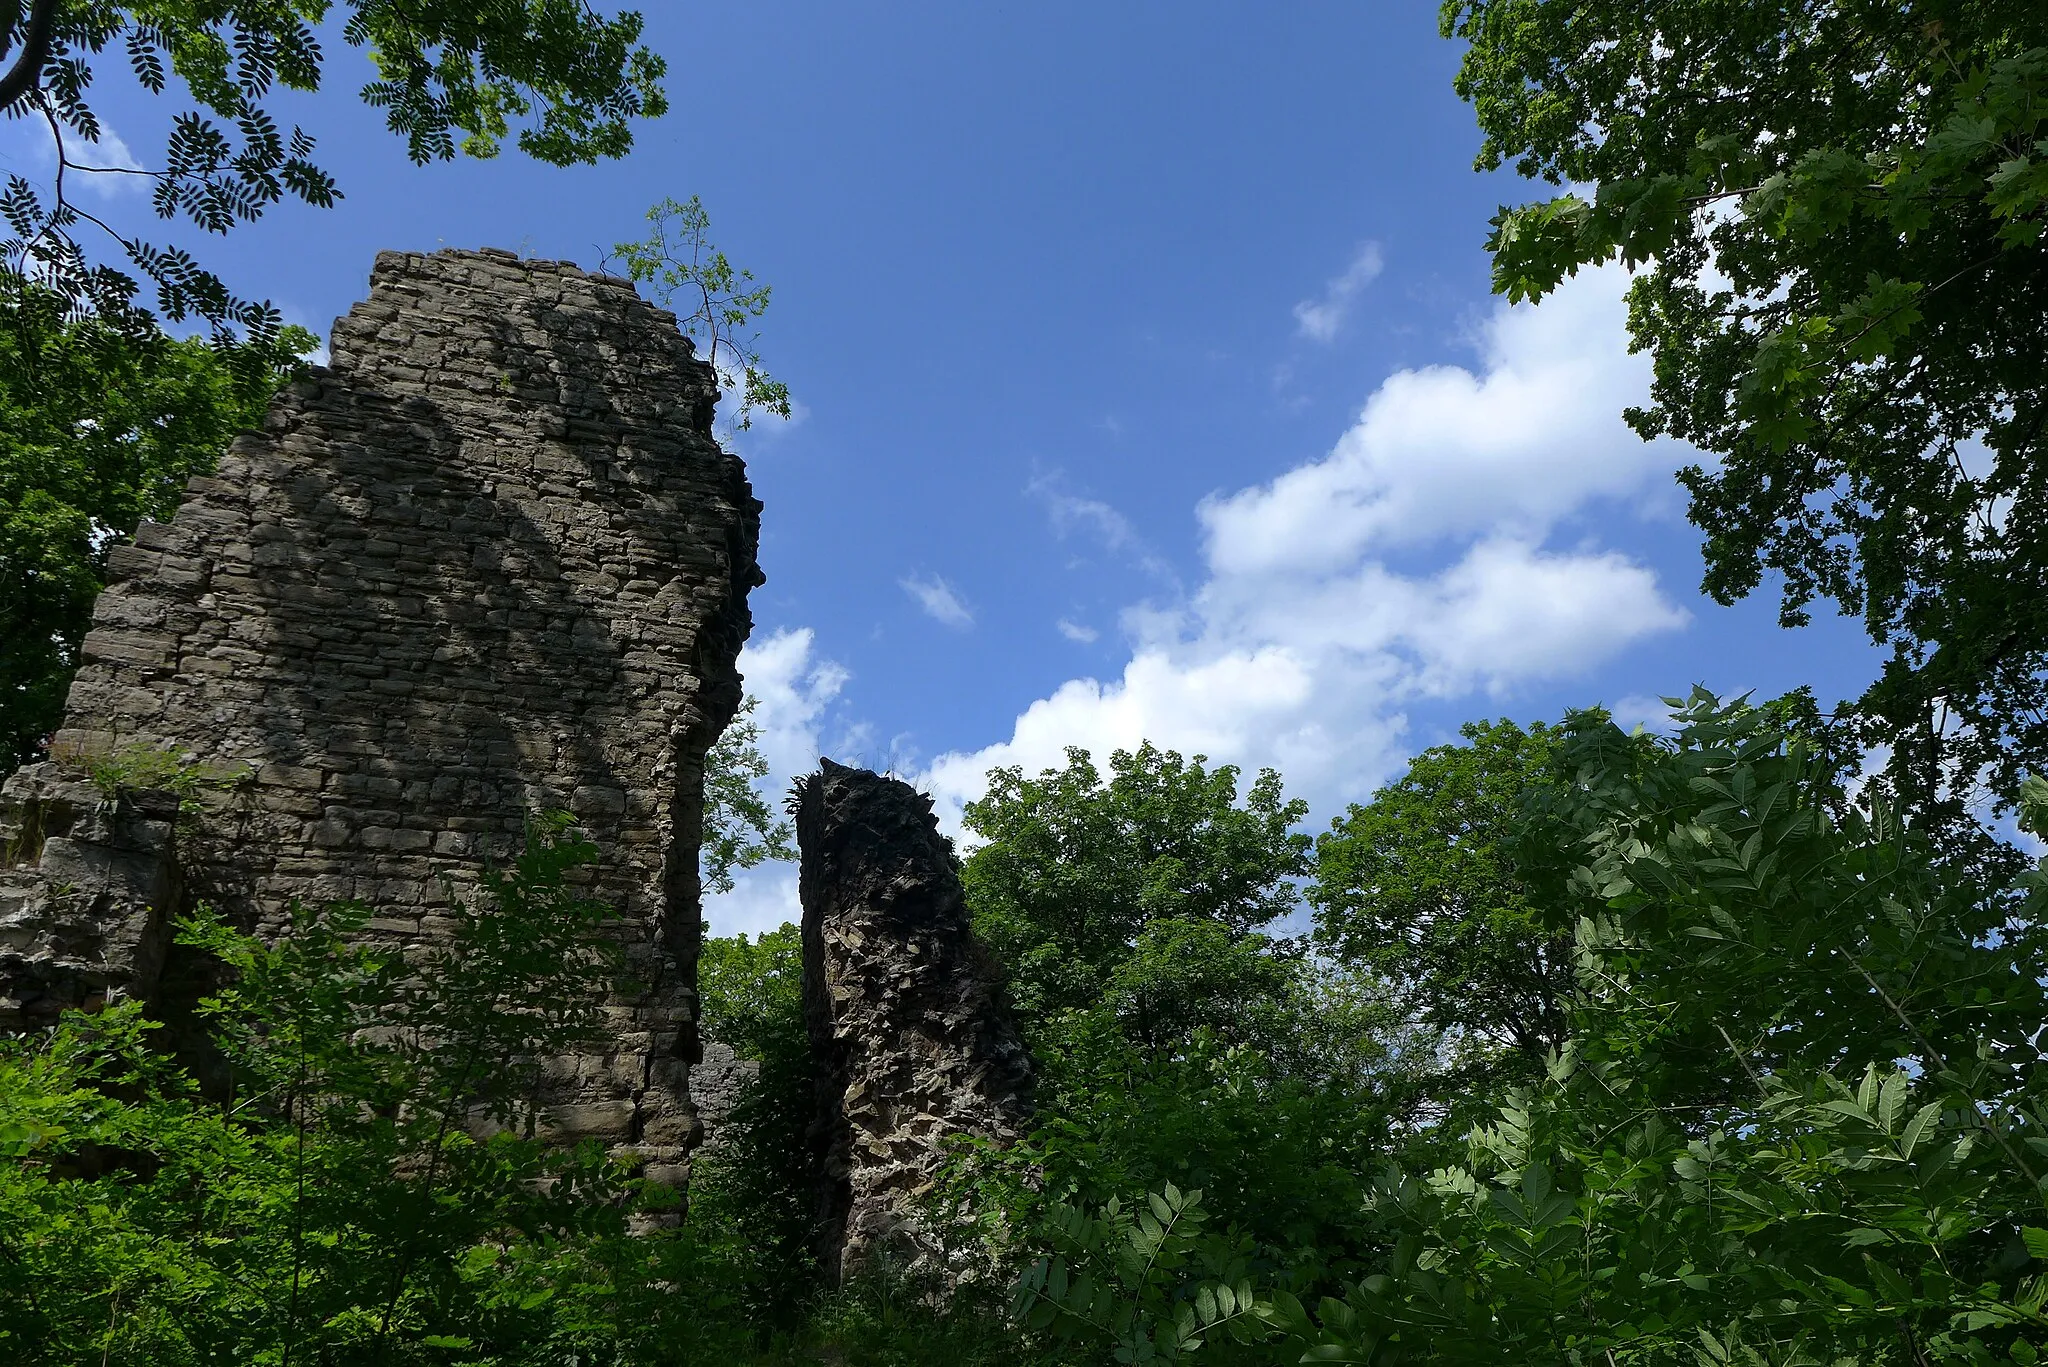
(27, 70)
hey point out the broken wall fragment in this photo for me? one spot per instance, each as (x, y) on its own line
(913, 1040)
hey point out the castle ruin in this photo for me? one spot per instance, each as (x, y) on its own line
(487, 561)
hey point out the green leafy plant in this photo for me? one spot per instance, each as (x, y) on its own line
(131, 767)
(677, 258)
(1140, 1283)
(1284, 1157)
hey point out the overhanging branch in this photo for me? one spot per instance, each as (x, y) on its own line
(22, 77)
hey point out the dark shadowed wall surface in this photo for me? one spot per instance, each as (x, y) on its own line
(914, 1040)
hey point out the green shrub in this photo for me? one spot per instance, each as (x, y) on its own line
(372, 1191)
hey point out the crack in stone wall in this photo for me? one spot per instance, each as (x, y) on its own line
(913, 1040)
(489, 560)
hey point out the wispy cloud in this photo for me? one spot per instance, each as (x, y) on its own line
(1072, 513)
(939, 600)
(107, 162)
(1076, 632)
(1321, 318)
(110, 153)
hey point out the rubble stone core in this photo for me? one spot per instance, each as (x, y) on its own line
(489, 560)
(912, 1038)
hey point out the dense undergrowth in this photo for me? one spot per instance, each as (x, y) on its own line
(1792, 1114)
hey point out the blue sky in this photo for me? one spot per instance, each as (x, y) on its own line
(1149, 385)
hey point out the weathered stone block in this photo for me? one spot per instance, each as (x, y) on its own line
(87, 887)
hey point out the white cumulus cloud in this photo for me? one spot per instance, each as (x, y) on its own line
(761, 899)
(795, 688)
(1443, 451)
(1073, 514)
(940, 600)
(1412, 562)
(110, 153)
(1320, 318)
(106, 168)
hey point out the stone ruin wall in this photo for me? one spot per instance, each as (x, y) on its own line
(913, 1040)
(488, 560)
(718, 1083)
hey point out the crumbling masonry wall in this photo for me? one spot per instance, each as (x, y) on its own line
(905, 1013)
(488, 560)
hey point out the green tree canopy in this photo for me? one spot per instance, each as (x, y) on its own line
(1837, 212)
(1798, 1117)
(1419, 886)
(555, 76)
(752, 992)
(1075, 870)
(99, 430)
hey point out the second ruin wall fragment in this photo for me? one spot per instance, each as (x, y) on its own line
(913, 1040)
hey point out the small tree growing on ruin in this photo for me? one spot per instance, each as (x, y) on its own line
(678, 258)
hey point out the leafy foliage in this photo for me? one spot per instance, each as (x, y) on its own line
(678, 258)
(374, 1169)
(559, 79)
(1282, 1152)
(740, 829)
(759, 1181)
(99, 431)
(1794, 1116)
(1142, 1282)
(1074, 871)
(1419, 885)
(1177, 1046)
(752, 991)
(1798, 1119)
(1837, 212)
